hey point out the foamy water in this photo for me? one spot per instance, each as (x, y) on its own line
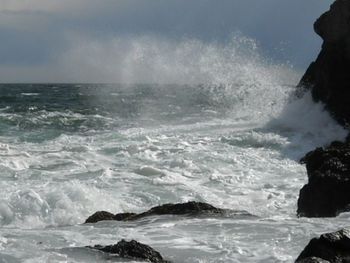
(67, 151)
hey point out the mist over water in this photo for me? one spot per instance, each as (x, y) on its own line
(189, 121)
(152, 59)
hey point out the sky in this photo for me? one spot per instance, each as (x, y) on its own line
(94, 41)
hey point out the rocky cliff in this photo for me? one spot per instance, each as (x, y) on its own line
(329, 76)
(328, 190)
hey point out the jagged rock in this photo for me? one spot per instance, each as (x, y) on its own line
(133, 250)
(328, 191)
(189, 208)
(331, 247)
(329, 76)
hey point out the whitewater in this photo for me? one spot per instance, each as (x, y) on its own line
(204, 122)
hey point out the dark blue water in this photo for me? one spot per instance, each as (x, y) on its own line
(88, 107)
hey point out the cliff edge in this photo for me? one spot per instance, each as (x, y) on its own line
(329, 76)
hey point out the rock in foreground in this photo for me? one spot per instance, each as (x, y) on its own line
(329, 76)
(332, 247)
(328, 191)
(133, 250)
(189, 209)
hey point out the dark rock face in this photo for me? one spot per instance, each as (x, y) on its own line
(328, 191)
(313, 260)
(329, 76)
(100, 216)
(189, 208)
(133, 250)
(332, 247)
(123, 216)
(103, 215)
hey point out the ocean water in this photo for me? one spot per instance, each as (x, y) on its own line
(231, 137)
(69, 150)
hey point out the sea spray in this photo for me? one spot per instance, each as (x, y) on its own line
(306, 124)
(156, 60)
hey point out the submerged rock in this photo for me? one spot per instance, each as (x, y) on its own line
(328, 191)
(133, 250)
(331, 247)
(329, 76)
(189, 209)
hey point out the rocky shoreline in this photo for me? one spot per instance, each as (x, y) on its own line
(327, 193)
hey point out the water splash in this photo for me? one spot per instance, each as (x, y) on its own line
(148, 59)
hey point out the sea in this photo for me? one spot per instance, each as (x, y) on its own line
(69, 150)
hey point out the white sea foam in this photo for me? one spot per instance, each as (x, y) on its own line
(307, 125)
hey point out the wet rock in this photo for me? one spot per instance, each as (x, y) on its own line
(328, 77)
(103, 215)
(99, 216)
(189, 209)
(328, 191)
(313, 260)
(133, 250)
(331, 247)
(123, 216)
